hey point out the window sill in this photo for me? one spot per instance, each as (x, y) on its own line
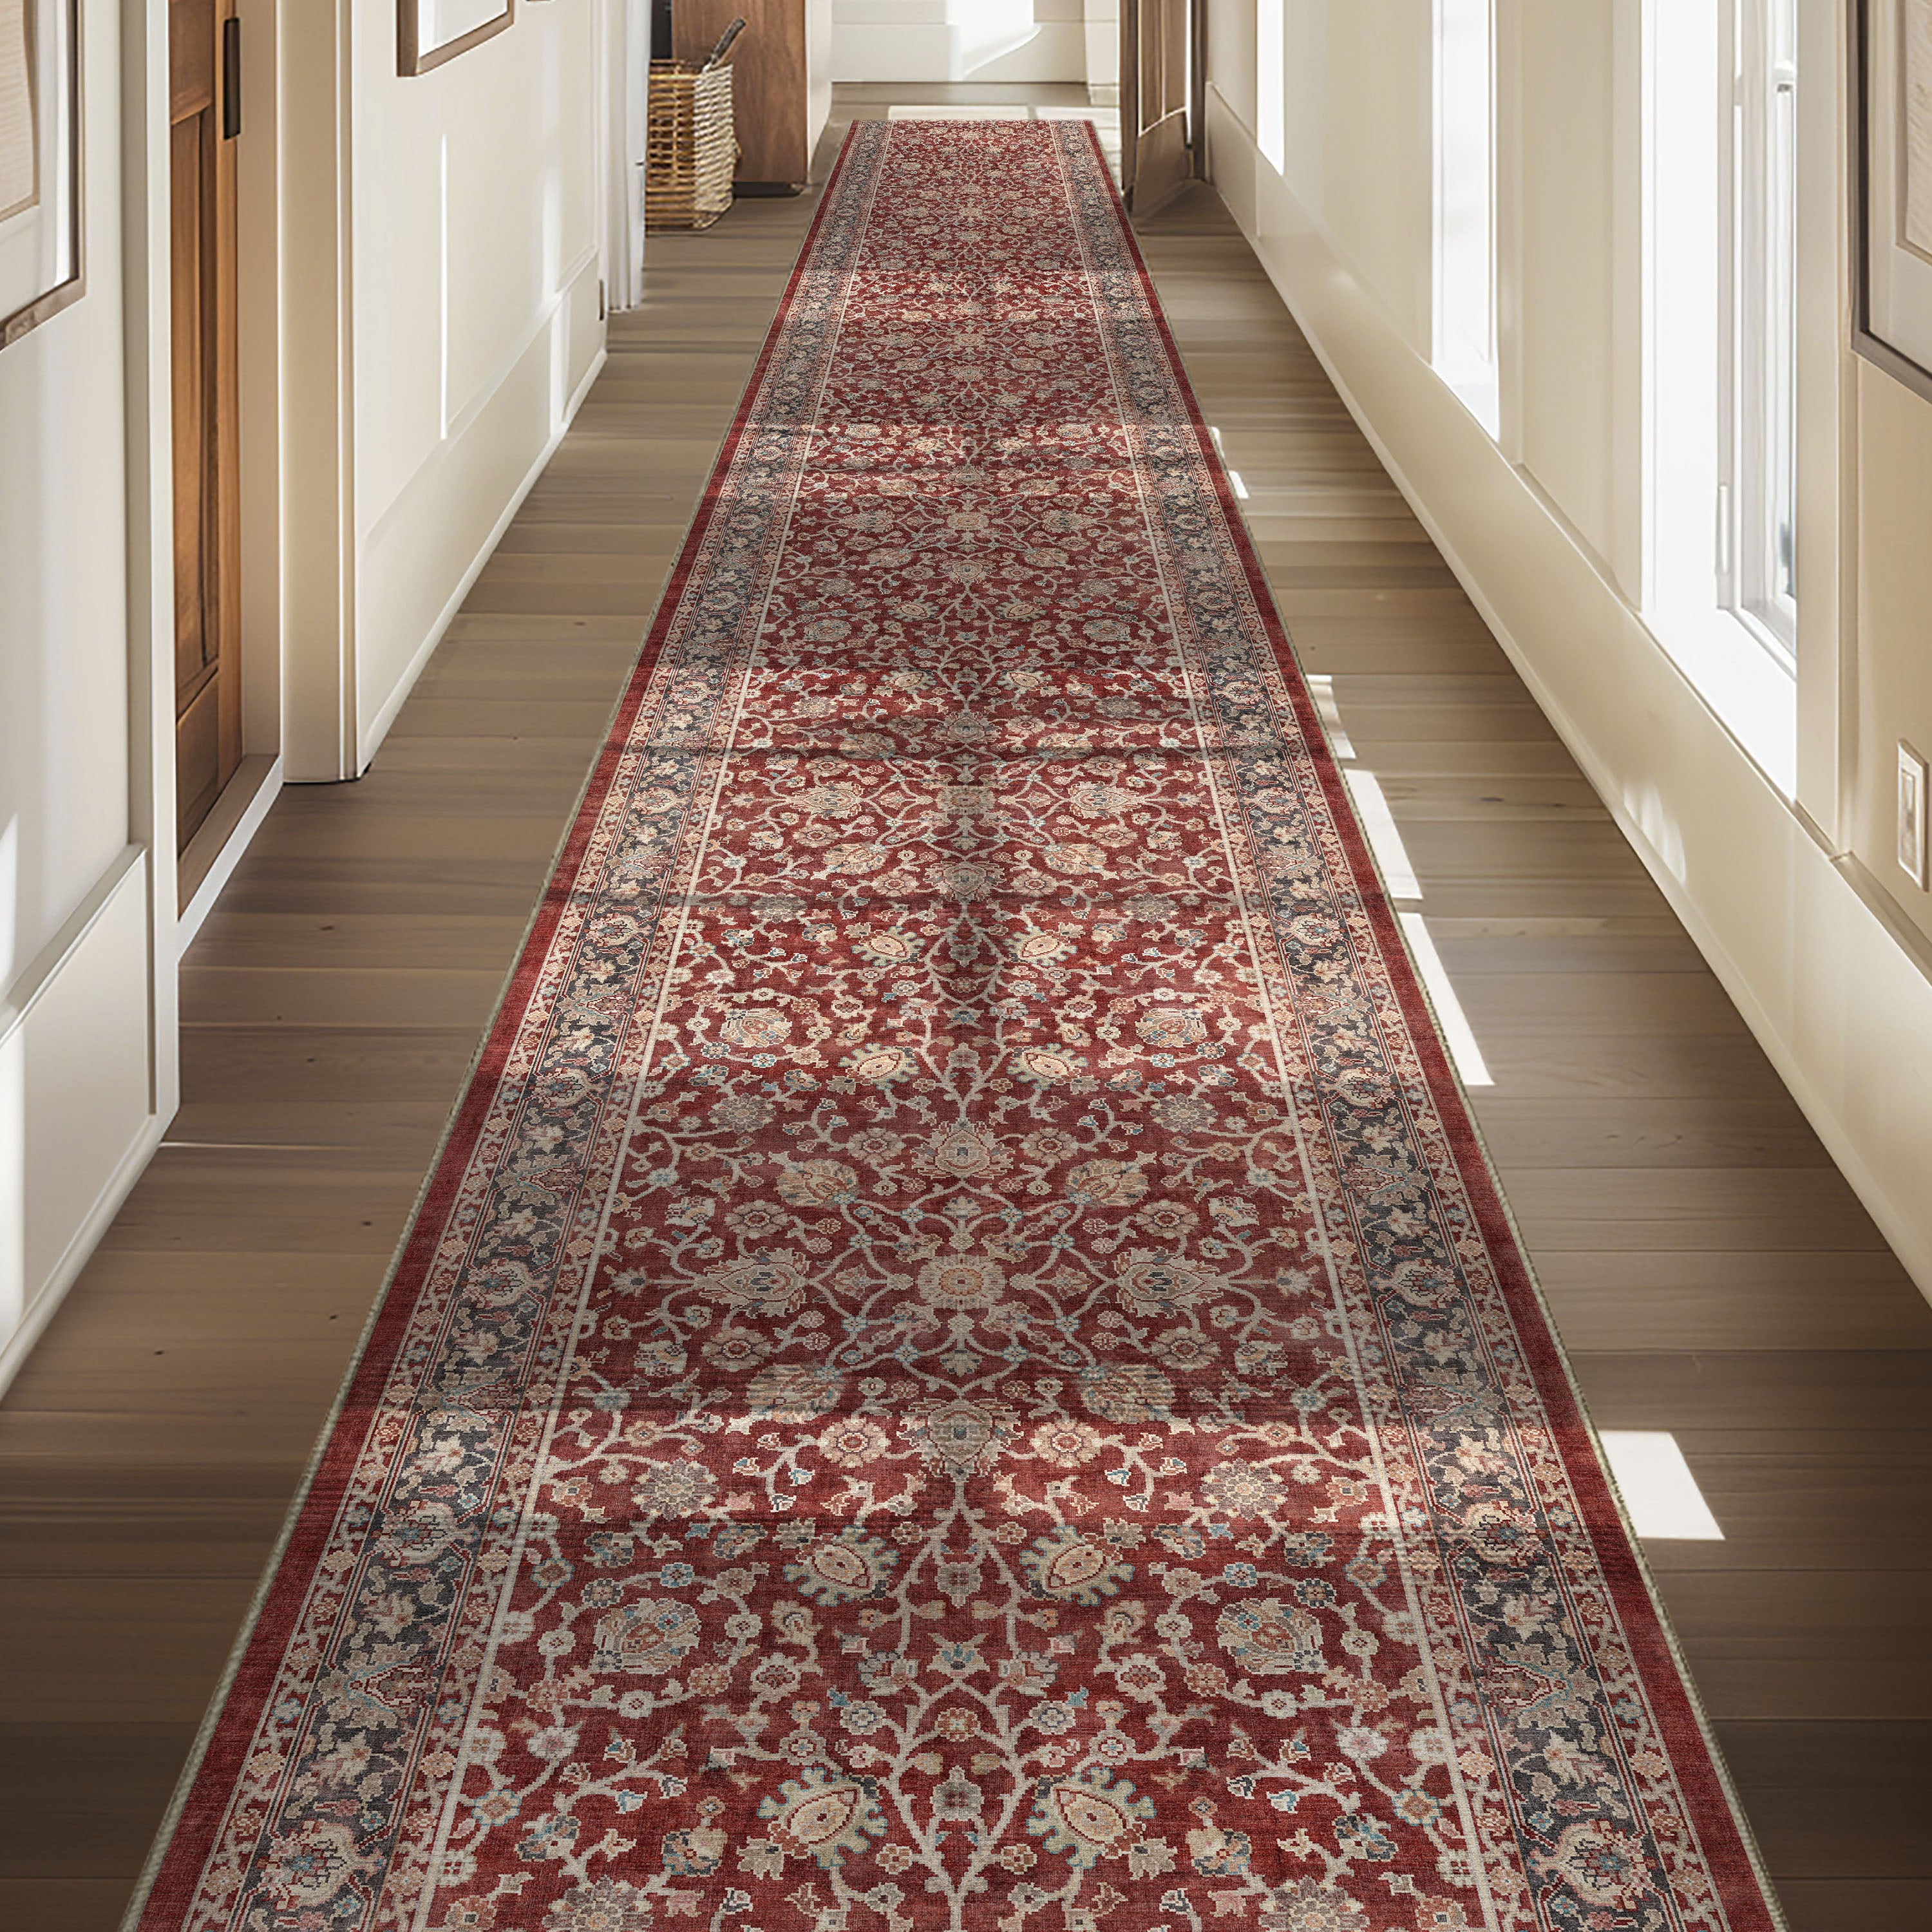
(1479, 392)
(1752, 694)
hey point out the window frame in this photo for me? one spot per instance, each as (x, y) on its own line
(1468, 361)
(1757, 510)
(1687, 236)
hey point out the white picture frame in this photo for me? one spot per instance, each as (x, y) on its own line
(42, 262)
(1892, 126)
(430, 32)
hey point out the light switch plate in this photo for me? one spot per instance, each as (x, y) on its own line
(1911, 814)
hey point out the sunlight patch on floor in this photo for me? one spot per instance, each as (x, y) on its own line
(1458, 1036)
(1399, 877)
(1106, 120)
(956, 113)
(1322, 689)
(1659, 1490)
(1372, 808)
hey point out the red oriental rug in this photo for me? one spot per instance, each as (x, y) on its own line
(961, 1366)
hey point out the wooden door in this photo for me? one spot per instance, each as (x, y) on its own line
(1156, 38)
(203, 121)
(771, 82)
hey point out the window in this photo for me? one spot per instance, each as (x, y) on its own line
(1758, 529)
(1271, 83)
(1464, 351)
(1719, 239)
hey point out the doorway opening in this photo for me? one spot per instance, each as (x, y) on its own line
(1136, 68)
(1163, 83)
(204, 123)
(223, 266)
(1033, 59)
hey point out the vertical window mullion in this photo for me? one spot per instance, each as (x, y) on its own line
(1761, 388)
(1782, 587)
(1734, 384)
(1463, 350)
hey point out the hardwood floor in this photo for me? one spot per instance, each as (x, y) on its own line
(1708, 1268)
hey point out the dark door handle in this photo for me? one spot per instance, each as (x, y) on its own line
(231, 76)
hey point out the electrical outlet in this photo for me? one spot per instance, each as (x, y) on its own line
(1911, 814)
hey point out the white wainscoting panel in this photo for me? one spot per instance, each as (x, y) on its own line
(76, 1118)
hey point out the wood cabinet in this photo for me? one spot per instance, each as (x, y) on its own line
(781, 91)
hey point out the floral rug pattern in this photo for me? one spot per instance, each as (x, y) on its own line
(960, 1367)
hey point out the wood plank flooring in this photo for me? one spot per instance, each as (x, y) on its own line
(1709, 1269)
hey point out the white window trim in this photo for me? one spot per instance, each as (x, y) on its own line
(1271, 83)
(1689, 426)
(1752, 326)
(1465, 147)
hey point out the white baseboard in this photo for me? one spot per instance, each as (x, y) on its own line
(264, 783)
(132, 1164)
(78, 1114)
(378, 726)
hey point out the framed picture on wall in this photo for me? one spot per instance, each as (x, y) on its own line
(40, 162)
(429, 32)
(1893, 128)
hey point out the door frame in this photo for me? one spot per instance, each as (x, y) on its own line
(296, 319)
(1197, 86)
(1129, 91)
(125, 939)
(623, 43)
(293, 296)
(194, 877)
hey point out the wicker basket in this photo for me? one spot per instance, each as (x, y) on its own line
(691, 151)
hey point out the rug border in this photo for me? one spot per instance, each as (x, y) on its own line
(1737, 1864)
(214, 1761)
(226, 1727)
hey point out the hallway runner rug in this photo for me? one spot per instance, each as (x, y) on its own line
(961, 1366)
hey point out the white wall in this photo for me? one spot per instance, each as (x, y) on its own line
(475, 272)
(1545, 525)
(953, 40)
(441, 248)
(421, 262)
(64, 663)
(1892, 445)
(85, 1056)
